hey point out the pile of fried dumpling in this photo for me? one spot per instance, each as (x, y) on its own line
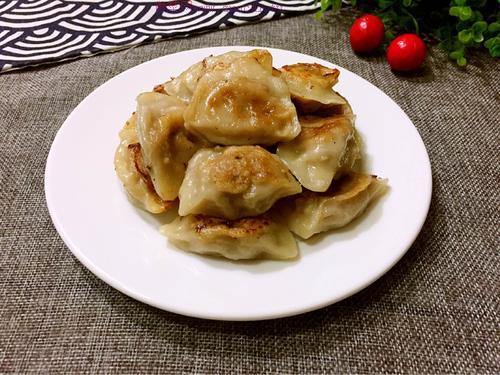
(249, 154)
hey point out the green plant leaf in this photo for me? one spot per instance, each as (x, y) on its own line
(461, 61)
(389, 18)
(465, 13)
(407, 3)
(465, 36)
(478, 16)
(455, 55)
(384, 4)
(495, 51)
(459, 2)
(479, 27)
(325, 4)
(494, 27)
(389, 35)
(478, 38)
(489, 43)
(493, 45)
(455, 11)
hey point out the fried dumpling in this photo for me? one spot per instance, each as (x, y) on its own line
(242, 103)
(324, 147)
(166, 145)
(234, 182)
(310, 213)
(183, 86)
(311, 87)
(132, 173)
(247, 238)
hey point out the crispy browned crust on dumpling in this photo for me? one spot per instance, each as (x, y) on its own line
(262, 56)
(309, 212)
(236, 169)
(183, 86)
(317, 73)
(240, 228)
(311, 87)
(166, 145)
(242, 103)
(234, 182)
(135, 150)
(160, 89)
(245, 238)
(133, 174)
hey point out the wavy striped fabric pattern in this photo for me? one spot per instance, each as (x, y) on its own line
(35, 32)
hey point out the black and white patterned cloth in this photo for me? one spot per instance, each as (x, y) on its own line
(34, 32)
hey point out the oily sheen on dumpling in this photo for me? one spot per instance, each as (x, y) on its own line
(234, 182)
(311, 87)
(166, 145)
(130, 169)
(247, 238)
(183, 86)
(310, 213)
(242, 103)
(324, 147)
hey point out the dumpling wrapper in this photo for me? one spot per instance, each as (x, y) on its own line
(311, 87)
(324, 148)
(166, 145)
(234, 182)
(183, 86)
(242, 103)
(130, 169)
(247, 238)
(310, 213)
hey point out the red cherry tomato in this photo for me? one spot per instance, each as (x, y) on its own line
(407, 52)
(366, 34)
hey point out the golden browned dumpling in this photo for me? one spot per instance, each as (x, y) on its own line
(253, 154)
(311, 87)
(310, 213)
(324, 148)
(183, 86)
(166, 145)
(242, 103)
(247, 238)
(130, 169)
(234, 182)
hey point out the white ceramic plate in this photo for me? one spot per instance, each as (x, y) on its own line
(122, 245)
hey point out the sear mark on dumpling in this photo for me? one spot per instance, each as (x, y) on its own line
(165, 143)
(325, 147)
(311, 87)
(309, 213)
(183, 86)
(246, 238)
(135, 150)
(242, 103)
(234, 182)
(160, 89)
(134, 176)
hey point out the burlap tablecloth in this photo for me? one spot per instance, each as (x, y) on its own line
(436, 311)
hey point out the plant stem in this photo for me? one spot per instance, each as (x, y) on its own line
(415, 23)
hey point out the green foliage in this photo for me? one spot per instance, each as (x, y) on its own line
(458, 25)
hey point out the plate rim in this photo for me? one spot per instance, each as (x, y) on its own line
(116, 284)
